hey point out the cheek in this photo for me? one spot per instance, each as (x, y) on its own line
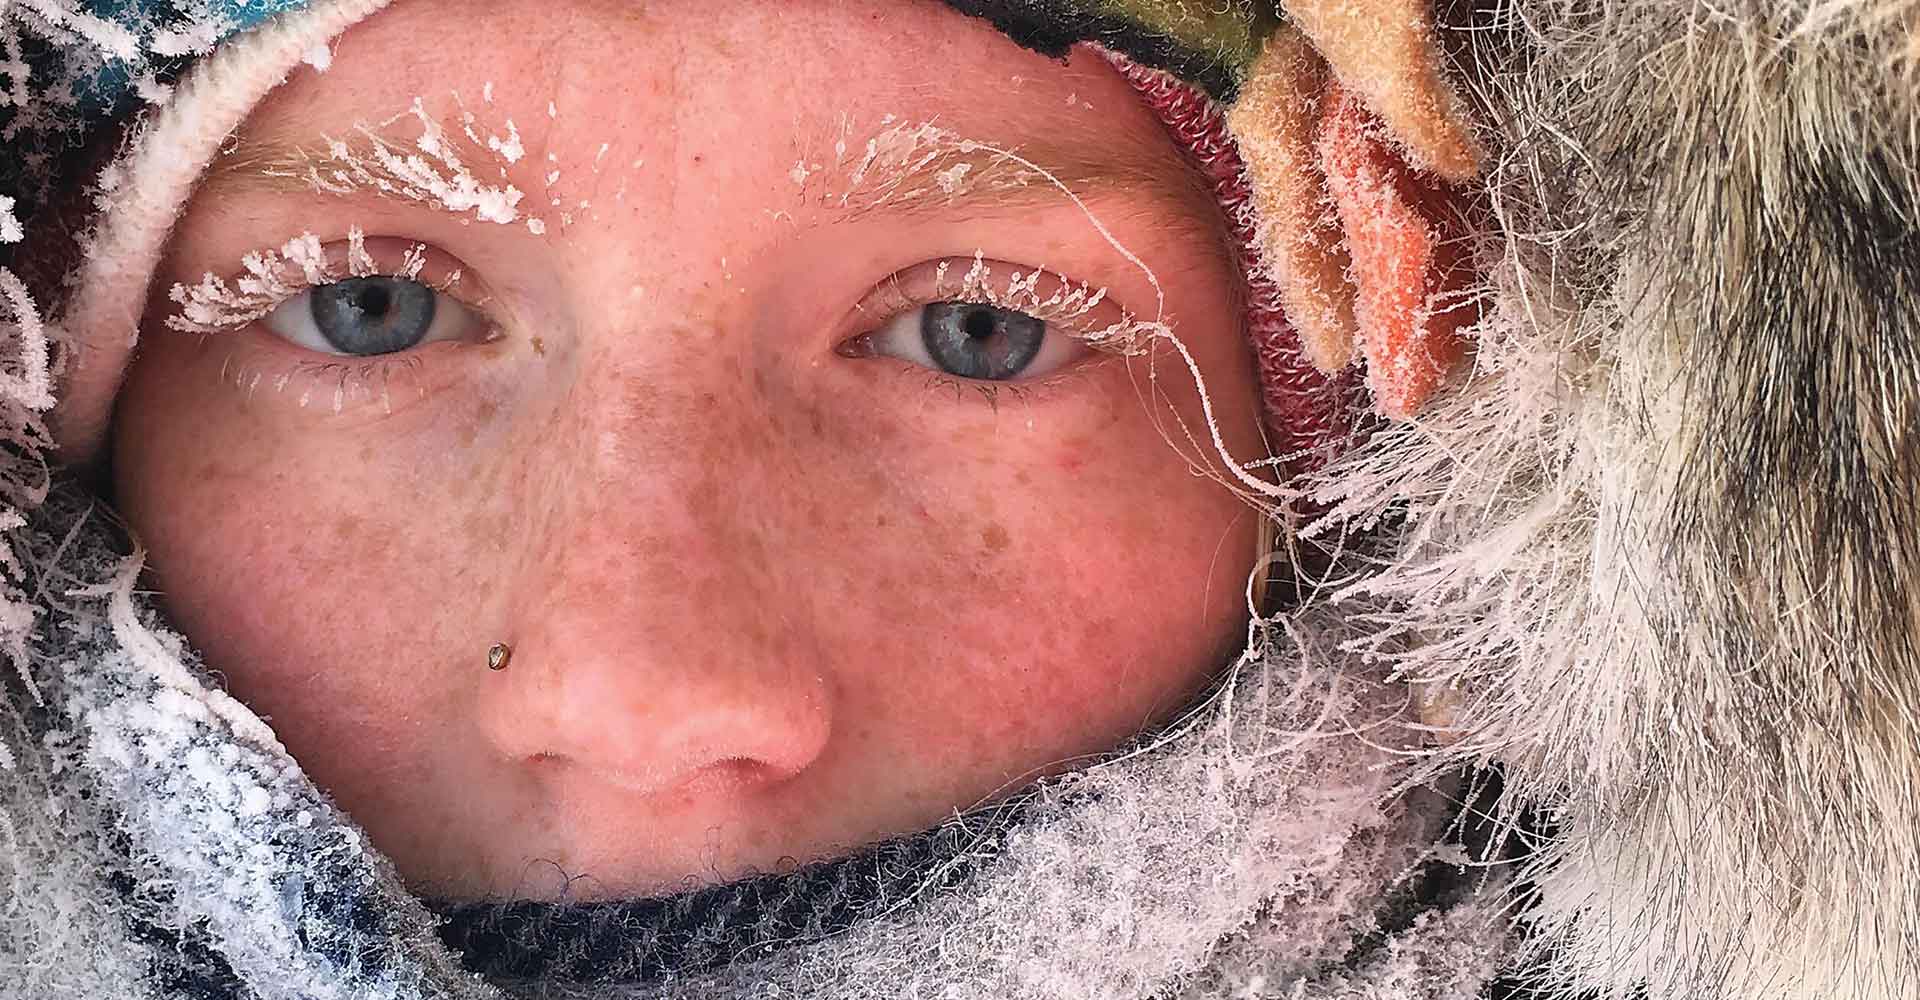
(323, 575)
(1025, 595)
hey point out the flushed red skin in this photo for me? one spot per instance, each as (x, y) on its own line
(765, 601)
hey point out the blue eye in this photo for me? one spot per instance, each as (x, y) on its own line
(974, 340)
(373, 315)
(363, 317)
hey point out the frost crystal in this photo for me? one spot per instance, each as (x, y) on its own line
(511, 149)
(435, 174)
(950, 178)
(271, 277)
(149, 89)
(359, 262)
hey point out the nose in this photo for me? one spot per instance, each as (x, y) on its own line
(646, 650)
(594, 690)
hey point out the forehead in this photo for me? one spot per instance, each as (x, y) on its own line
(661, 77)
(703, 143)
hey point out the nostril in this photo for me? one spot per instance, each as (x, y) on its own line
(713, 779)
(737, 774)
(655, 717)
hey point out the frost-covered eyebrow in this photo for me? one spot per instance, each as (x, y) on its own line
(924, 168)
(434, 169)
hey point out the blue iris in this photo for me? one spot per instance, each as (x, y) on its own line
(366, 316)
(979, 341)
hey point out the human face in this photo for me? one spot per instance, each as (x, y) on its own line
(774, 583)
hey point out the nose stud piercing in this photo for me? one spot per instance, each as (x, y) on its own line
(499, 655)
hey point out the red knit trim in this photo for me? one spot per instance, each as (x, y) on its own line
(1309, 414)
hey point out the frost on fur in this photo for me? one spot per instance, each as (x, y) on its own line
(1658, 555)
(26, 392)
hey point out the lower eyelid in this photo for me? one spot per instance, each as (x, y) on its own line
(263, 366)
(1040, 390)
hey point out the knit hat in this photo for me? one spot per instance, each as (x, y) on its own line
(1333, 181)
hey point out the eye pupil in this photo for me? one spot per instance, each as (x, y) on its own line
(980, 324)
(980, 341)
(373, 300)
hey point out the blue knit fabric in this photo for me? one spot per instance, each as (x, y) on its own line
(74, 89)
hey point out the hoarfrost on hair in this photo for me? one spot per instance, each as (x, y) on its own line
(1693, 653)
(271, 277)
(196, 37)
(510, 148)
(433, 173)
(113, 39)
(26, 391)
(149, 89)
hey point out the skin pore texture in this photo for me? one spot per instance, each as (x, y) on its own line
(773, 587)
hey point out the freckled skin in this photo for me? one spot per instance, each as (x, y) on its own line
(765, 601)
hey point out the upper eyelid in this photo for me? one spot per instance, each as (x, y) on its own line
(267, 279)
(1041, 292)
(1082, 309)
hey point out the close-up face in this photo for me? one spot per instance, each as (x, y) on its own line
(882, 499)
(787, 403)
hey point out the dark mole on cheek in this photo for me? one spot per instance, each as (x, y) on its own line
(995, 538)
(539, 346)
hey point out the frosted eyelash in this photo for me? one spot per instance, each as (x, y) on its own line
(215, 306)
(1069, 302)
(343, 381)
